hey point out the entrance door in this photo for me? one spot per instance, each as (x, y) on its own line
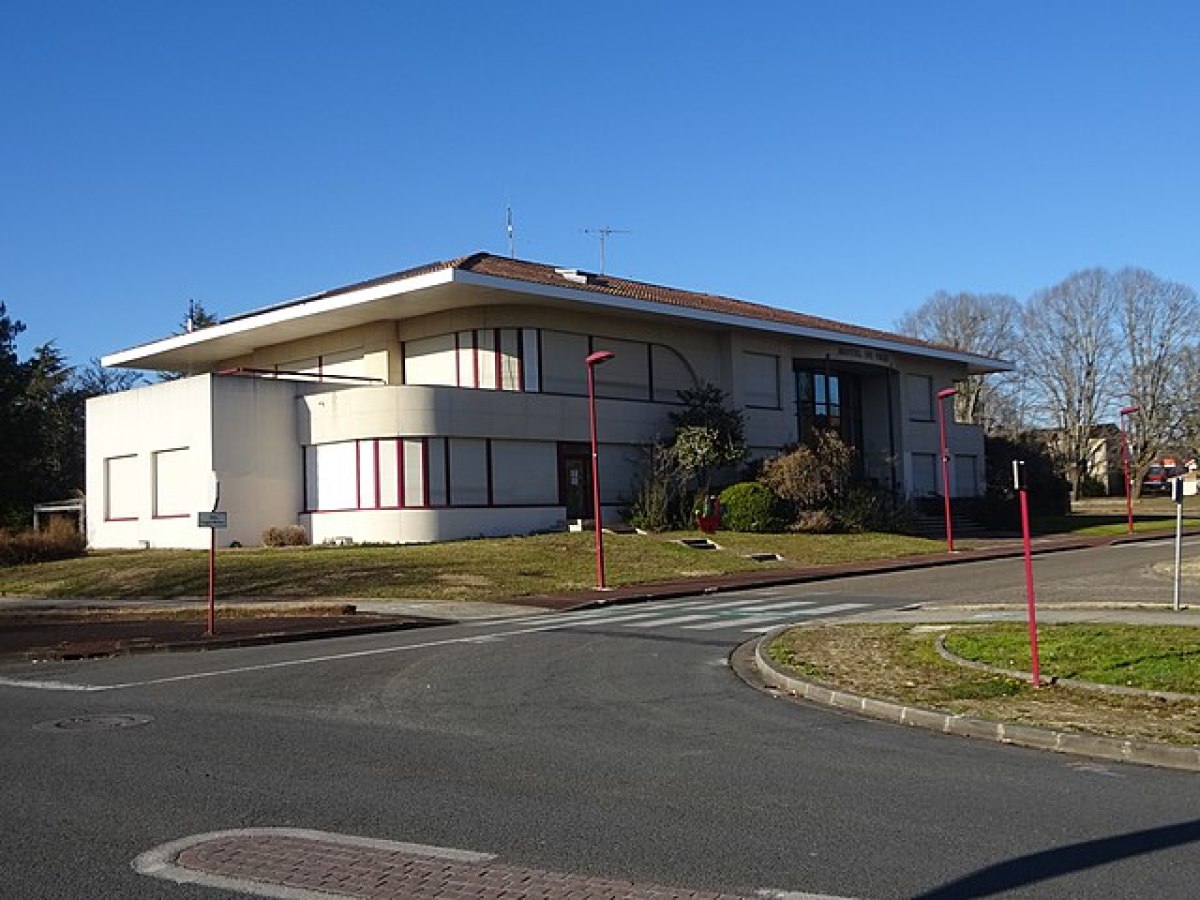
(575, 480)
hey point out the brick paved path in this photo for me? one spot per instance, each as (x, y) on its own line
(260, 861)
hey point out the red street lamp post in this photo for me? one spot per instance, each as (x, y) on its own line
(1127, 411)
(942, 396)
(597, 358)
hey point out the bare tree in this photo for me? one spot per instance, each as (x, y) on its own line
(1071, 353)
(985, 324)
(1156, 321)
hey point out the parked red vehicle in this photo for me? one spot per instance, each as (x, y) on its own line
(1158, 479)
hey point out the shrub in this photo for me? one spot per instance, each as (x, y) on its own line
(811, 476)
(750, 506)
(284, 536)
(862, 508)
(59, 541)
(658, 497)
(812, 521)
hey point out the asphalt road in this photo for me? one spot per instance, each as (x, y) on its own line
(616, 743)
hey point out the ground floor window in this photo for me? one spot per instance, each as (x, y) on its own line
(924, 474)
(429, 472)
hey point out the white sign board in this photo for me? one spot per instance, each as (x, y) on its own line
(212, 519)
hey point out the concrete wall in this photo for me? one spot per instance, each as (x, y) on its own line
(174, 415)
(256, 456)
(243, 429)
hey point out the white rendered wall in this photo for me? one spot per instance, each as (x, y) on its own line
(256, 456)
(171, 416)
(244, 429)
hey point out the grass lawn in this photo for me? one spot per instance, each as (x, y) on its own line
(1105, 516)
(899, 663)
(1157, 659)
(491, 569)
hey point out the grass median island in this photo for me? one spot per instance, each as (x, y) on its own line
(899, 663)
(490, 569)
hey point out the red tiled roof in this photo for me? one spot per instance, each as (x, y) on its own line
(540, 273)
(483, 263)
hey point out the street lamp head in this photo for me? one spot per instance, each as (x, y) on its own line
(946, 392)
(600, 356)
(1129, 410)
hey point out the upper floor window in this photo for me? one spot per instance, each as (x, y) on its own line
(760, 375)
(919, 394)
(497, 359)
(530, 359)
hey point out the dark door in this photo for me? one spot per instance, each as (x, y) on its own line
(575, 480)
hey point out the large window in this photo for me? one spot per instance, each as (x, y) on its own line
(121, 488)
(490, 358)
(829, 400)
(627, 375)
(669, 374)
(919, 395)
(563, 368)
(395, 473)
(760, 375)
(924, 474)
(172, 484)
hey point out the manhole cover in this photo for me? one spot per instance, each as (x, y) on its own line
(95, 723)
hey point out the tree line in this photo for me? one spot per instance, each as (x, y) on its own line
(1083, 349)
(42, 436)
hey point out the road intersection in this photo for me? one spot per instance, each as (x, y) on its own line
(610, 743)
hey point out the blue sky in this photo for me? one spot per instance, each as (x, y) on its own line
(845, 159)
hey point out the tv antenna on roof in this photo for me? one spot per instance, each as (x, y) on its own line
(603, 233)
(512, 246)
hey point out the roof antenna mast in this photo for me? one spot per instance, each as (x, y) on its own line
(603, 233)
(512, 246)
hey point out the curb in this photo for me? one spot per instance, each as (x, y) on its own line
(1145, 753)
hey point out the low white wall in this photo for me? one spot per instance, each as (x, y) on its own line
(420, 526)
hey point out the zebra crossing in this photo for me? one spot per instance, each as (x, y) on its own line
(755, 615)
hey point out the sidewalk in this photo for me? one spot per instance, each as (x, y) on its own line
(73, 628)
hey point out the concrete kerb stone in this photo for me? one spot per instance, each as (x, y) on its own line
(1145, 753)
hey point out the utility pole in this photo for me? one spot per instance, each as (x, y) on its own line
(603, 233)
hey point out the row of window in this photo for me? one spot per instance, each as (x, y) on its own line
(544, 361)
(927, 475)
(419, 473)
(173, 486)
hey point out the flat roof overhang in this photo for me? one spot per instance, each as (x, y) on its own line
(446, 289)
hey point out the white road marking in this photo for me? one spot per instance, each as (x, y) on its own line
(677, 620)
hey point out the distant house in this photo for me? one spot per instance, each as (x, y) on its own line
(449, 401)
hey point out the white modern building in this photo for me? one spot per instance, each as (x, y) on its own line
(450, 400)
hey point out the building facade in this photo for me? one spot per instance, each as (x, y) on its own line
(450, 401)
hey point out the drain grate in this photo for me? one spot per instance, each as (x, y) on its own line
(95, 723)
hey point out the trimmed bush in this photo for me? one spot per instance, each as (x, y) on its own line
(284, 536)
(59, 541)
(750, 506)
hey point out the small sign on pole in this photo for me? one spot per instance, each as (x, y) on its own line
(212, 519)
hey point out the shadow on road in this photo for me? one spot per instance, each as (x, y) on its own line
(1025, 870)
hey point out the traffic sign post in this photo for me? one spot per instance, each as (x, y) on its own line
(212, 520)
